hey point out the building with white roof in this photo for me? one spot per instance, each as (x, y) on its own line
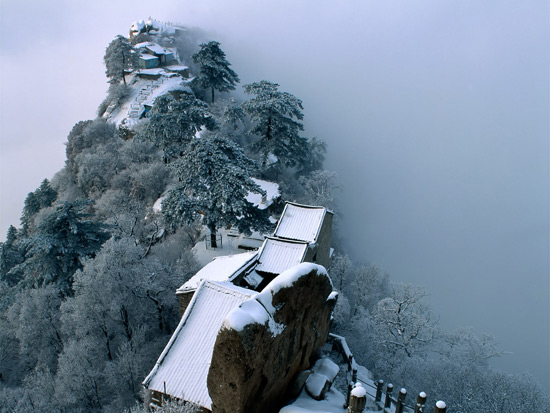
(221, 269)
(311, 224)
(277, 255)
(182, 369)
(303, 234)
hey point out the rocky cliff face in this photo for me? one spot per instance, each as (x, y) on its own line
(269, 339)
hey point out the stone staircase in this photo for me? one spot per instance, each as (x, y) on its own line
(145, 92)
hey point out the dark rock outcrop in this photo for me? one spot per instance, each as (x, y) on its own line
(269, 339)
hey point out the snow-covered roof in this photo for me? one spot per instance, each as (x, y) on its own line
(154, 71)
(220, 269)
(272, 193)
(182, 369)
(146, 56)
(300, 222)
(152, 26)
(277, 256)
(155, 48)
(176, 68)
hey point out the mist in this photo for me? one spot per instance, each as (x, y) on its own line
(436, 114)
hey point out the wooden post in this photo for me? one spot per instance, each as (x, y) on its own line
(440, 407)
(358, 399)
(401, 400)
(348, 395)
(389, 389)
(420, 402)
(379, 387)
(353, 380)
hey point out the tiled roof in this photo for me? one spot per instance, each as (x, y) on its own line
(278, 255)
(300, 222)
(182, 368)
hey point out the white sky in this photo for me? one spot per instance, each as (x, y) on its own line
(436, 113)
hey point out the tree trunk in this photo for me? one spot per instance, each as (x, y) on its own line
(213, 242)
(212, 95)
(123, 65)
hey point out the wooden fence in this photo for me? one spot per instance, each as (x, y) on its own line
(382, 395)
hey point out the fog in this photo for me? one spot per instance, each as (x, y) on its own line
(436, 114)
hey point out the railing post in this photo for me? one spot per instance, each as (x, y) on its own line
(420, 402)
(401, 400)
(379, 387)
(353, 380)
(358, 399)
(440, 407)
(348, 395)
(389, 389)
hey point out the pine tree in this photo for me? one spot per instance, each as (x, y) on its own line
(234, 123)
(10, 256)
(41, 198)
(61, 243)
(214, 177)
(119, 56)
(277, 121)
(215, 72)
(174, 122)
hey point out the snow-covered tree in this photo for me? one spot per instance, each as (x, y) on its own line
(276, 118)
(315, 156)
(464, 346)
(174, 122)
(341, 271)
(234, 122)
(35, 201)
(123, 307)
(64, 238)
(214, 181)
(404, 322)
(369, 287)
(10, 256)
(169, 406)
(215, 73)
(119, 57)
(35, 316)
(319, 188)
(86, 135)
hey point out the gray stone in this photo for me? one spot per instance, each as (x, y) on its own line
(254, 360)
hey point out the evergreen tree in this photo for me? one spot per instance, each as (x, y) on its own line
(42, 198)
(174, 122)
(214, 176)
(215, 72)
(10, 256)
(119, 56)
(234, 123)
(276, 118)
(62, 241)
(315, 156)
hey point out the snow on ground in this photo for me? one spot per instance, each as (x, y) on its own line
(336, 397)
(333, 403)
(144, 92)
(229, 246)
(272, 192)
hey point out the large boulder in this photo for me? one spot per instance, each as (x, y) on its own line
(265, 342)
